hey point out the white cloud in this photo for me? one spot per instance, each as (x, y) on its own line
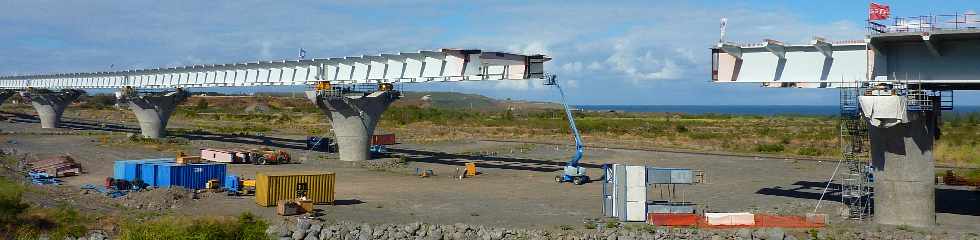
(572, 67)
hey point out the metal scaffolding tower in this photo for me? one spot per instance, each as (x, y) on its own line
(857, 180)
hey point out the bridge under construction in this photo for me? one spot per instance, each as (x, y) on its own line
(894, 85)
(353, 92)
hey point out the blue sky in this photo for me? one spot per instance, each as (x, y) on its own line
(606, 52)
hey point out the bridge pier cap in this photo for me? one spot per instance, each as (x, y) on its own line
(353, 116)
(50, 105)
(152, 109)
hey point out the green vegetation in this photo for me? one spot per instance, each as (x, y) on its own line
(98, 101)
(246, 227)
(19, 220)
(769, 148)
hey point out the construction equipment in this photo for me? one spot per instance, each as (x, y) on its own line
(266, 156)
(378, 150)
(572, 172)
(236, 186)
(386, 87)
(322, 86)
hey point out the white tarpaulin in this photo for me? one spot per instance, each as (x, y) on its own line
(884, 111)
(730, 219)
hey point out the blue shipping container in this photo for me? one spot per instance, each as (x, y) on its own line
(130, 170)
(190, 176)
(231, 183)
(148, 173)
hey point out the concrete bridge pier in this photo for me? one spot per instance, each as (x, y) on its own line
(50, 105)
(903, 171)
(353, 117)
(153, 110)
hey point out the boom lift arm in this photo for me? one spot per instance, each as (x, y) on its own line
(572, 172)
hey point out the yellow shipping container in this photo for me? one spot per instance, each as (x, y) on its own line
(272, 187)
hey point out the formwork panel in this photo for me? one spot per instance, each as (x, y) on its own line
(272, 187)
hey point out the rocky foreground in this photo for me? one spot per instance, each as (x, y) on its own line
(306, 229)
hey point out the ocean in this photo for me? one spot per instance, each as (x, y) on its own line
(766, 110)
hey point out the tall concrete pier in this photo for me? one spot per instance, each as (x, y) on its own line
(50, 105)
(153, 110)
(903, 169)
(353, 117)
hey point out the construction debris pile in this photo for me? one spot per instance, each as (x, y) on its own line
(61, 166)
(384, 163)
(159, 200)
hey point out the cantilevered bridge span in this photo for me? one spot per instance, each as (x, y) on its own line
(894, 84)
(337, 86)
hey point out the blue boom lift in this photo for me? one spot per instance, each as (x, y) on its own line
(573, 172)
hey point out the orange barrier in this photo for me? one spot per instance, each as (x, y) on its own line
(674, 219)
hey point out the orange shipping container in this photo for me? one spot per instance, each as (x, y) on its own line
(316, 186)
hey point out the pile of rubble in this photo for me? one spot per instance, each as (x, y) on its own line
(159, 199)
(60, 166)
(383, 163)
(307, 229)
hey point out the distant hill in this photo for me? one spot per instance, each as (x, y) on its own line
(454, 100)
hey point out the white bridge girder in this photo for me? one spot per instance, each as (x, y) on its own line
(424, 66)
(820, 64)
(938, 60)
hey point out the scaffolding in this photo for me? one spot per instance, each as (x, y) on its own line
(857, 178)
(856, 182)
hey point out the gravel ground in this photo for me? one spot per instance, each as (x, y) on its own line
(515, 189)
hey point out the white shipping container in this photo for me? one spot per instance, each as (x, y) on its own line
(218, 155)
(636, 193)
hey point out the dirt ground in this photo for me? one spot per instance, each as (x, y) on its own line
(516, 187)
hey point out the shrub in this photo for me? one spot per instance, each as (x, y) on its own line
(201, 104)
(769, 148)
(10, 206)
(808, 151)
(612, 224)
(247, 226)
(19, 221)
(681, 128)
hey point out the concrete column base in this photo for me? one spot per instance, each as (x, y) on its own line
(353, 119)
(51, 105)
(904, 171)
(154, 110)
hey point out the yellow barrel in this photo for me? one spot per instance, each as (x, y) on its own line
(272, 187)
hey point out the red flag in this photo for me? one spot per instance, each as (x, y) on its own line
(879, 12)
